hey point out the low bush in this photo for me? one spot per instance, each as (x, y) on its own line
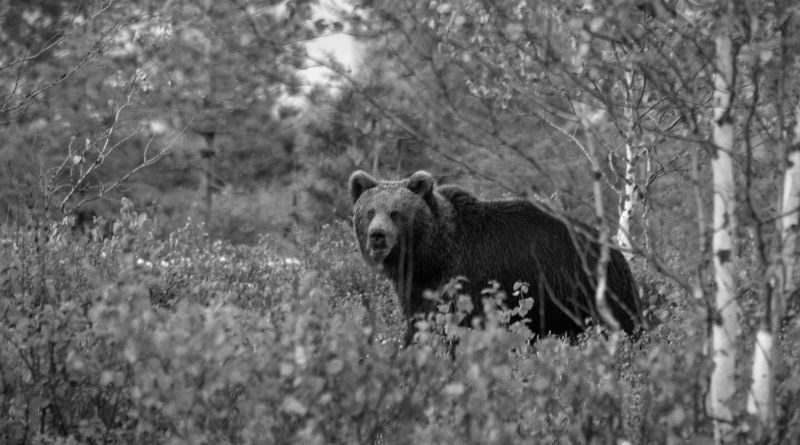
(131, 339)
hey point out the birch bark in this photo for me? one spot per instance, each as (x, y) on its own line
(726, 318)
(628, 200)
(760, 400)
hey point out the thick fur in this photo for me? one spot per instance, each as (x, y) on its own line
(422, 235)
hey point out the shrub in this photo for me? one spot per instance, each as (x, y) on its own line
(131, 339)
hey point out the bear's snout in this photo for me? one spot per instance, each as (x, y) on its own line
(381, 236)
(377, 239)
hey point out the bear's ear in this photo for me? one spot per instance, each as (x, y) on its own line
(360, 182)
(421, 183)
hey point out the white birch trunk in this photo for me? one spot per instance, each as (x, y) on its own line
(725, 322)
(629, 193)
(628, 204)
(603, 308)
(601, 302)
(644, 200)
(790, 218)
(760, 401)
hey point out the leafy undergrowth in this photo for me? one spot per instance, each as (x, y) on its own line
(134, 340)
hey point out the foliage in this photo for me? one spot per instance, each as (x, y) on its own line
(146, 328)
(129, 338)
(93, 91)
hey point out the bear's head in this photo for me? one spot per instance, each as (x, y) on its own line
(389, 215)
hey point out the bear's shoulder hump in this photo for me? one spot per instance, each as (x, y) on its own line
(456, 194)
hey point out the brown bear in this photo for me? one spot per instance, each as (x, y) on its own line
(423, 235)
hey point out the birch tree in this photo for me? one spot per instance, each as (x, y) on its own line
(725, 326)
(589, 119)
(777, 260)
(532, 58)
(780, 288)
(630, 190)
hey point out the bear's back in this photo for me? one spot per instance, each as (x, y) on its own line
(507, 238)
(511, 240)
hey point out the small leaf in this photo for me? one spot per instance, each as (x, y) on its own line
(334, 366)
(106, 377)
(293, 406)
(677, 416)
(131, 352)
(454, 389)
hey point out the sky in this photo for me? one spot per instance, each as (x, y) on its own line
(339, 46)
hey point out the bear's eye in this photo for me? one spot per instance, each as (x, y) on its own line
(370, 213)
(394, 214)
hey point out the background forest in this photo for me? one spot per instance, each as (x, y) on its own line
(176, 260)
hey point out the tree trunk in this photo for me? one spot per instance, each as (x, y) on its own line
(789, 221)
(628, 198)
(628, 204)
(601, 302)
(760, 401)
(725, 321)
(208, 178)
